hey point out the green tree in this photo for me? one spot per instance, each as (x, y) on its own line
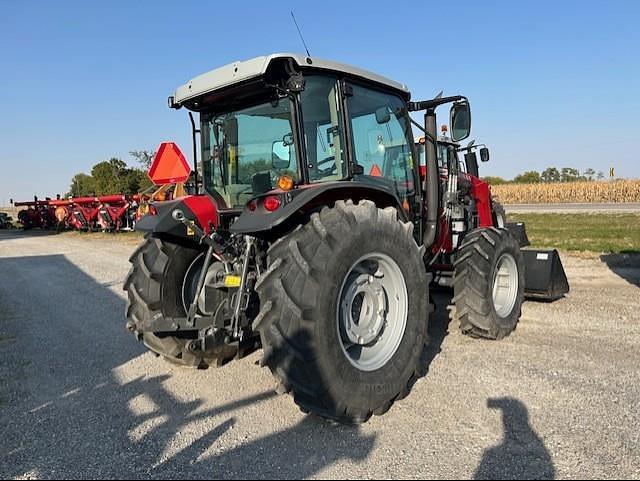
(145, 157)
(530, 177)
(495, 180)
(590, 174)
(550, 174)
(600, 175)
(110, 177)
(569, 175)
(82, 185)
(137, 181)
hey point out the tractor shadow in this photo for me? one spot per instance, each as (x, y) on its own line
(625, 265)
(74, 403)
(522, 454)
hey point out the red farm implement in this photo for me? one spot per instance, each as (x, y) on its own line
(115, 212)
(107, 213)
(36, 214)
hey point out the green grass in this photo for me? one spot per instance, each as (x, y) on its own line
(604, 233)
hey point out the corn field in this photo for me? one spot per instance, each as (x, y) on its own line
(557, 193)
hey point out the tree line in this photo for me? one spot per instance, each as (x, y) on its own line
(549, 175)
(113, 176)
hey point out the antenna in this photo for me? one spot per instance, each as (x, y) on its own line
(300, 33)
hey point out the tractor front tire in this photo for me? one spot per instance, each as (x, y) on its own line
(499, 216)
(344, 312)
(154, 287)
(489, 283)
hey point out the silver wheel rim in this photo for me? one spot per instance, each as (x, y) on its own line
(190, 281)
(372, 311)
(505, 285)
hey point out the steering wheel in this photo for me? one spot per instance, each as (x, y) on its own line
(246, 190)
(330, 170)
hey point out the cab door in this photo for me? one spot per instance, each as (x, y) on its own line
(382, 142)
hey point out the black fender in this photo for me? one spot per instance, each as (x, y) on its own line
(299, 202)
(162, 221)
(201, 209)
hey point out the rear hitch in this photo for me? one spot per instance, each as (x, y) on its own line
(131, 327)
(210, 339)
(212, 251)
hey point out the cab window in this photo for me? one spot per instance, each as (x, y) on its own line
(323, 129)
(382, 138)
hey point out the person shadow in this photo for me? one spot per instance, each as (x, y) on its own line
(522, 454)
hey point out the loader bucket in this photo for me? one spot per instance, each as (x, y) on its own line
(545, 279)
(519, 230)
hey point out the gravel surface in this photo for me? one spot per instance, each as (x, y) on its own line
(80, 398)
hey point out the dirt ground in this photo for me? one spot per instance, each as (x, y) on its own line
(80, 398)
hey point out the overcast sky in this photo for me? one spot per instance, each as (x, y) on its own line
(550, 83)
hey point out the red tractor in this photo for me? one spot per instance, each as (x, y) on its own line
(315, 236)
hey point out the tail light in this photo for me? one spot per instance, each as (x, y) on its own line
(272, 203)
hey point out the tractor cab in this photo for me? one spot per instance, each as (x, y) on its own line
(282, 122)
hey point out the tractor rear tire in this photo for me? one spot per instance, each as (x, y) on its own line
(302, 294)
(489, 284)
(154, 286)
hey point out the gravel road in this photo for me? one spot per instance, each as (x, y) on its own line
(80, 398)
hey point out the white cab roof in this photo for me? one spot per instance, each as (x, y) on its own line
(237, 72)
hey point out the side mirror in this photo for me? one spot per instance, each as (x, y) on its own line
(383, 115)
(484, 154)
(280, 155)
(460, 120)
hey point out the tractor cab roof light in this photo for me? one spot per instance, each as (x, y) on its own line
(286, 183)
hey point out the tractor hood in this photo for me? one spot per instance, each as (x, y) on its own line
(239, 72)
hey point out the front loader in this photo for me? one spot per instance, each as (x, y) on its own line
(545, 279)
(314, 236)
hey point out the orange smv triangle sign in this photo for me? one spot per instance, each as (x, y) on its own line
(169, 165)
(375, 171)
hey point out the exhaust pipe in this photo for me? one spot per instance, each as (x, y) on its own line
(431, 183)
